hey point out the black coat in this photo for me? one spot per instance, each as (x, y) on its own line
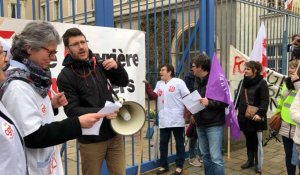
(214, 113)
(258, 95)
(86, 89)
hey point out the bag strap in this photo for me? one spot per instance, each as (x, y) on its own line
(246, 97)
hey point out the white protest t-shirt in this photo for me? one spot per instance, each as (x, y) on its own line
(30, 111)
(12, 159)
(169, 102)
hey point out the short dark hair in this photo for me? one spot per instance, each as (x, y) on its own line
(170, 68)
(72, 32)
(294, 36)
(296, 53)
(202, 61)
(255, 66)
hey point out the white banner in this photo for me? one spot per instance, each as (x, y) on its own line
(125, 46)
(236, 73)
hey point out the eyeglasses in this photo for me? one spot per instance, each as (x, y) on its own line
(50, 52)
(4, 53)
(77, 44)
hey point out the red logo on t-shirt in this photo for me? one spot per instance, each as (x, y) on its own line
(159, 92)
(8, 130)
(53, 163)
(171, 88)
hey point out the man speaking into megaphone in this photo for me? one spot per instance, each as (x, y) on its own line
(87, 89)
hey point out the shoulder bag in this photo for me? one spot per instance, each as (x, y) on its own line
(250, 110)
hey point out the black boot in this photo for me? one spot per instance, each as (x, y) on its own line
(256, 168)
(250, 160)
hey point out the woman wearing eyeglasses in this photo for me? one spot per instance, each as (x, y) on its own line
(24, 94)
(6, 52)
(12, 154)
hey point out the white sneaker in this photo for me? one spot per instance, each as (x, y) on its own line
(195, 162)
(200, 159)
(191, 160)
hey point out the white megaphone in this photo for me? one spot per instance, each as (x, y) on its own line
(130, 119)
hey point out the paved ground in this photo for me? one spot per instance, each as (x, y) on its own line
(273, 162)
(273, 159)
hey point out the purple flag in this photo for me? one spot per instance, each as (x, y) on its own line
(217, 89)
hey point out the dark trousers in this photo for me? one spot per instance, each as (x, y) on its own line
(288, 149)
(165, 134)
(251, 141)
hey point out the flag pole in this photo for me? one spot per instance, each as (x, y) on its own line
(228, 137)
(228, 143)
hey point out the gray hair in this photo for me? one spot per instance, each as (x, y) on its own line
(35, 35)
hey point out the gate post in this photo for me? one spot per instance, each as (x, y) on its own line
(202, 26)
(104, 16)
(104, 13)
(210, 19)
(284, 44)
(207, 30)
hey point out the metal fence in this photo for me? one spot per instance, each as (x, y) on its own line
(176, 30)
(237, 23)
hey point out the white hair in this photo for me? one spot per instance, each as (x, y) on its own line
(6, 47)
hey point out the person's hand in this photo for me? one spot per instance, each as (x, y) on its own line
(59, 100)
(88, 120)
(193, 119)
(110, 64)
(145, 81)
(256, 118)
(112, 115)
(204, 101)
(294, 76)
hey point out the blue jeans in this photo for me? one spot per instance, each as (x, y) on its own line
(210, 143)
(194, 147)
(165, 134)
(295, 156)
(288, 149)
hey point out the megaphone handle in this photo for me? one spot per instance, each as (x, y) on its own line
(112, 90)
(141, 151)
(108, 83)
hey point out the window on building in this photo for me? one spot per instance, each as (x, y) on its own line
(275, 3)
(56, 9)
(71, 6)
(43, 12)
(274, 52)
(271, 50)
(13, 8)
(1, 10)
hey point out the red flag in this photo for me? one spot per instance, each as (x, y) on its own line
(259, 51)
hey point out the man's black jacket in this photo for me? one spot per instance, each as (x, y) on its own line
(86, 88)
